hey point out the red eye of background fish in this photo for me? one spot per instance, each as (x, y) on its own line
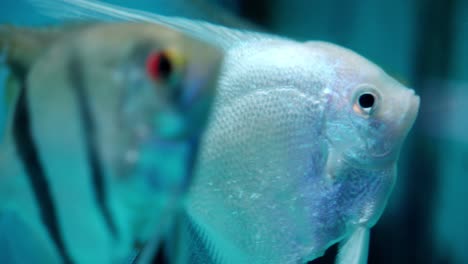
(158, 66)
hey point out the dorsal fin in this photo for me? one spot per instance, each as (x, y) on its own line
(90, 10)
(22, 45)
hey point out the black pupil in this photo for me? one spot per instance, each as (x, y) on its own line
(366, 100)
(165, 67)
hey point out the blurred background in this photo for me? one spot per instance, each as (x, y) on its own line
(422, 43)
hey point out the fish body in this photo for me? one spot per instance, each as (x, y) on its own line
(101, 137)
(300, 153)
(295, 158)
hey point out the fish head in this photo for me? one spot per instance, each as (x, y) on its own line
(157, 86)
(169, 79)
(383, 112)
(150, 89)
(368, 115)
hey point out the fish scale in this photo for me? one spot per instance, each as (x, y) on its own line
(262, 127)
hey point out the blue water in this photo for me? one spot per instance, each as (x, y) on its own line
(3, 75)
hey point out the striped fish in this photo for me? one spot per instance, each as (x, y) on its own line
(102, 132)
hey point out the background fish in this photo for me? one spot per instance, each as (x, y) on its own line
(301, 152)
(101, 137)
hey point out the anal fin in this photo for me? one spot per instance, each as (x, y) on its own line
(355, 249)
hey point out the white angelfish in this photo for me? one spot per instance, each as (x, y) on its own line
(300, 153)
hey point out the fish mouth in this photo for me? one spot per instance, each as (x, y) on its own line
(411, 111)
(404, 125)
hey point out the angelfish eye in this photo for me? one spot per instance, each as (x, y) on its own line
(366, 102)
(159, 66)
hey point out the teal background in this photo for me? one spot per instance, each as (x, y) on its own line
(424, 44)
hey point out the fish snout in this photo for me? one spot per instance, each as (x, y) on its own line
(411, 111)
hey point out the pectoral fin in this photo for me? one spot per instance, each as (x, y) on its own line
(334, 164)
(354, 249)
